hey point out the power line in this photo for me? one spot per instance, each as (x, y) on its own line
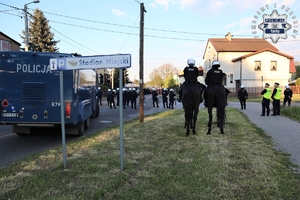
(74, 41)
(129, 33)
(124, 32)
(11, 14)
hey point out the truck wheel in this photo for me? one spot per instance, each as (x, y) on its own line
(86, 123)
(80, 129)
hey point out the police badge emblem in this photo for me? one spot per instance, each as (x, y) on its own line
(274, 26)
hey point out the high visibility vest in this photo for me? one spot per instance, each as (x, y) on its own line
(267, 95)
(278, 94)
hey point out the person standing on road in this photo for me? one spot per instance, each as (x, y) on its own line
(154, 98)
(125, 97)
(171, 98)
(242, 96)
(108, 97)
(133, 98)
(266, 100)
(288, 94)
(112, 100)
(165, 98)
(118, 96)
(276, 99)
(99, 94)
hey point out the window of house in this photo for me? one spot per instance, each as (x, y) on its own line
(5, 45)
(231, 78)
(273, 66)
(257, 66)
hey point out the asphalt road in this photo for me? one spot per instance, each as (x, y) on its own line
(14, 147)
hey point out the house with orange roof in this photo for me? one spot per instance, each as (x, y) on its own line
(251, 62)
(8, 44)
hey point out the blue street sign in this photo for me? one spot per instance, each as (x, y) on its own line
(91, 62)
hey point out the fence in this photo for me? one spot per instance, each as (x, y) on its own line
(256, 91)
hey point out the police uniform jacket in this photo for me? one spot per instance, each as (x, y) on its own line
(191, 74)
(243, 94)
(288, 93)
(171, 96)
(154, 95)
(214, 77)
(165, 95)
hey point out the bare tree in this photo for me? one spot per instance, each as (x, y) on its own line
(158, 75)
(167, 70)
(155, 78)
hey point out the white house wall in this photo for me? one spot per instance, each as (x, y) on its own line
(252, 78)
(225, 60)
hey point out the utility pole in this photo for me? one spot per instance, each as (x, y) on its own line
(26, 23)
(142, 10)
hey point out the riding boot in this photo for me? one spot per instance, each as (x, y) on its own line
(180, 94)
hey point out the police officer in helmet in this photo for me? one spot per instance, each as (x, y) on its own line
(214, 77)
(191, 74)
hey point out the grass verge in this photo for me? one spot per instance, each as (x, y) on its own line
(159, 163)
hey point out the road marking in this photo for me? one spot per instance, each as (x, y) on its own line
(106, 121)
(6, 135)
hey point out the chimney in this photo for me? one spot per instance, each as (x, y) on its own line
(228, 36)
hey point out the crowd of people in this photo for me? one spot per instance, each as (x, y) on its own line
(113, 98)
(214, 77)
(275, 95)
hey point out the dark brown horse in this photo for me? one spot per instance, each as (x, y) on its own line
(216, 97)
(191, 99)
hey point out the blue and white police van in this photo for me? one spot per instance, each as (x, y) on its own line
(30, 93)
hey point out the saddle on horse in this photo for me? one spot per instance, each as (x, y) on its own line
(202, 88)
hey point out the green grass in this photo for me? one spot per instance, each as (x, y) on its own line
(159, 163)
(293, 112)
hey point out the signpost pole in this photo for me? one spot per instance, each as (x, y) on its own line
(119, 61)
(62, 115)
(121, 115)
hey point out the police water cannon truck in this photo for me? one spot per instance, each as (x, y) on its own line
(30, 93)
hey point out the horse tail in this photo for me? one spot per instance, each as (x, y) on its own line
(221, 105)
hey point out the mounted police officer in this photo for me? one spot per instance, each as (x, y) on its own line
(214, 77)
(191, 74)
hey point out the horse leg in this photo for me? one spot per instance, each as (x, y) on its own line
(195, 120)
(185, 122)
(209, 120)
(188, 128)
(221, 118)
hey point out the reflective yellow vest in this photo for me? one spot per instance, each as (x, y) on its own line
(277, 94)
(267, 95)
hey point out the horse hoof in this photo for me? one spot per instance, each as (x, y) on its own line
(187, 135)
(222, 132)
(208, 133)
